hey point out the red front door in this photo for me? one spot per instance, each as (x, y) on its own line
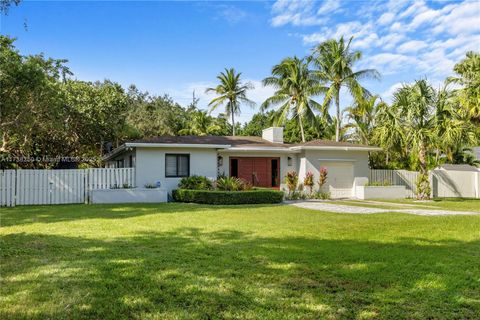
(257, 171)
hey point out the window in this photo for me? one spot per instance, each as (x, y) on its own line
(177, 165)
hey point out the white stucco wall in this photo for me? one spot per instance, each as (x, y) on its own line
(150, 165)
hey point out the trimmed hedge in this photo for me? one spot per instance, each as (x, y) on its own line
(228, 197)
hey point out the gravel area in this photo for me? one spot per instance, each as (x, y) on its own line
(341, 208)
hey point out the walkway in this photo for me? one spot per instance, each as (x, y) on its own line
(341, 208)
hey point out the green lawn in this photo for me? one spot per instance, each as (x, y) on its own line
(177, 261)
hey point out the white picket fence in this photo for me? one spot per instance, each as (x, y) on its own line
(28, 187)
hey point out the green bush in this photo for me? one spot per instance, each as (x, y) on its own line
(195, 183)
(228, 197)
(232, 184)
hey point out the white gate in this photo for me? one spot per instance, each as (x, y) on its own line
(50, 186)
(7, 188)
(24, 187)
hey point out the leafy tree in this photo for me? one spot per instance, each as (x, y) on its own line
(155, 115)
(295, 86)
(468, 77)
(362, 116)
(334, 61)
(231, 92)
(258, 122)
(200, 124)
(6, 4)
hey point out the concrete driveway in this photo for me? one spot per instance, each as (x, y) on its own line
(342, 208)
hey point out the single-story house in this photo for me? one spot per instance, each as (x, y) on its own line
(263, 161)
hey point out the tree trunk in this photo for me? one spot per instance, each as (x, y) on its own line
(233, 124)
(422, 158)
(301, 128)
(337, 103)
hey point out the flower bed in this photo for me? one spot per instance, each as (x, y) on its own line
(253, 196)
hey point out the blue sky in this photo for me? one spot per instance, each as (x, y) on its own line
(178, 47)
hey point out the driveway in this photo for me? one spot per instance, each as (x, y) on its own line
(341, 208)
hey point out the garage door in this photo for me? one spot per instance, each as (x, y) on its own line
(340, 174)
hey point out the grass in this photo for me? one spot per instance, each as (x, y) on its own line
(178, 261)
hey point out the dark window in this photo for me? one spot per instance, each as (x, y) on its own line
(130, 159)
(234, 168)
(177, 165)
(275, 173)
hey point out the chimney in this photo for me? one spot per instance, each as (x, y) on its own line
(273, 134)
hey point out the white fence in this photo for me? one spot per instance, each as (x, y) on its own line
(396, 178)
(444, 183)
(24, 187)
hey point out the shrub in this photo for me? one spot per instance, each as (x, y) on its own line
(308, 181)
(322, 179)
(228, 197)
(321, 195)
(384, 183)
(230, 184)
(195, 183)
(291, 179)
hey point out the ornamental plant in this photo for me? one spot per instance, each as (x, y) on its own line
(308, 181)
(322, 179)
(291, 179)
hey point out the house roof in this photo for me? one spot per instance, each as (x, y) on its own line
(245, 143)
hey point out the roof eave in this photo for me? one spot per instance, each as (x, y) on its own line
(260, 149)
(176, 145)
(336, 148)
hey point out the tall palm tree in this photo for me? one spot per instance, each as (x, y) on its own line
(453, 129)
(295, 86)
(416, 104)
(468, 77)
(231, 92)
(362, 116)
(388, 131)
(334, 61)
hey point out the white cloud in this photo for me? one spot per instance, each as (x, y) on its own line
(386, 18)
(329, 6)
(412, 46)
(388, 94)
(296, 13)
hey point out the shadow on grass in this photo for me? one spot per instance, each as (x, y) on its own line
(189, 273)
(21, 215)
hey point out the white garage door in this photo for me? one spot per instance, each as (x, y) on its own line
(339, 174)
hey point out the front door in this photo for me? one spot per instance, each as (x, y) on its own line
(259, 171)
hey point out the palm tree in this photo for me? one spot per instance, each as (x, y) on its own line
(468, 77)
(362, 114)
(453, 129)
(232, 92)
(334, 61)
(388, 131)
(295, 86)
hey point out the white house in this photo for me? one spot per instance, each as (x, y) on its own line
(262, 161)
